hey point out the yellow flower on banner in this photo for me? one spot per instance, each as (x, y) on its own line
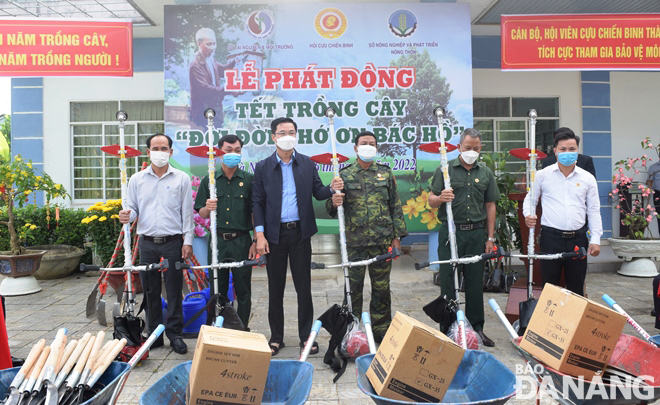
(424, 198)
(413, 208)
(29, 165)
(102, 219)
(430, 218)
(57, 186)
(27, 192)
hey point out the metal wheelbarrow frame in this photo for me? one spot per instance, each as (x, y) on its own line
(289, 382)
(108, 381)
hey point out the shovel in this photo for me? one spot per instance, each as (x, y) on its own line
(34, 355)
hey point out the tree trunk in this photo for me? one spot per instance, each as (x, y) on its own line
(13, 237)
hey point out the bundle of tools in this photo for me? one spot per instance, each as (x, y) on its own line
(67, 372)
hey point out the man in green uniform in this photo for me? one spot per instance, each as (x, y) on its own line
(234, 221)
(374, 222)
(473, 194)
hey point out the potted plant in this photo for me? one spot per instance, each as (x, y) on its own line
(18, 180)
(634, 200)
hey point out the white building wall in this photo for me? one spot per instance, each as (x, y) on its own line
(60, 92)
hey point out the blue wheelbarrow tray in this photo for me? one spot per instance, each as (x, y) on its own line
(288, 383)
(480, 379)
(108, 381)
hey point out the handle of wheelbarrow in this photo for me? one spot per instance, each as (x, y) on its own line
(316, 327)
(219, 321)
(496, 253)
(316, 265)
(460, 319)
(500, 314)
(181, 266)
(89, 267)
(366, 320)
(629, 318)
(421, 265)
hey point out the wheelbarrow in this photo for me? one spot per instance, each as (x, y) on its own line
(103, 388)
(480, 379)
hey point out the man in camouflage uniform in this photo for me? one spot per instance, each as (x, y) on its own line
(473, 192)
(374, 223)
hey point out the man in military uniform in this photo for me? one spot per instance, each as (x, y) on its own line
(374, 222)
(473, 192)
(234, 221)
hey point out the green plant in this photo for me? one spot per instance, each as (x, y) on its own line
(103, 229)
(18, 180)
(507, 226)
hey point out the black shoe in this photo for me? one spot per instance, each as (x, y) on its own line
(485, 339)
(653, 313)
(160, 342)
(313, 350)
(179, 345)
(15, 362)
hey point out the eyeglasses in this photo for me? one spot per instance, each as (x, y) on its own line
(283, 133)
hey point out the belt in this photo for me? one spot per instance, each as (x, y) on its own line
(162, 239)
(232, 235)
(290, 225)
(564, 234)
(469, 227)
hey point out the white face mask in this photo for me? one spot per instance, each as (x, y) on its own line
(469, 156)
(287, 142)
(159, 159)
(367, 152)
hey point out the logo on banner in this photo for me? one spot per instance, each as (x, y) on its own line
(330, 23)
(260, 24)
(403, 23)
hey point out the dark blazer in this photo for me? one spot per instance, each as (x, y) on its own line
(584, 162)
(267, 195)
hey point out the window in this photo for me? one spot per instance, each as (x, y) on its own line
(504, 124)
(93, 124)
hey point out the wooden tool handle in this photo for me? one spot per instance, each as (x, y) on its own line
(105, 362)
(101, 354)
(80, 365)
(60, 362)
(76, 353)
(34, 354)
(66, 354)
(36, 370)
(95, 350)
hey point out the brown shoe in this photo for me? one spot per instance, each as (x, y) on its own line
(487, 341)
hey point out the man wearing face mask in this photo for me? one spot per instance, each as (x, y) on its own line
(473, 194)
(162, 197)
(569, 196)
(205, 79)
(374, 222)
(234, 221)
(282, 190)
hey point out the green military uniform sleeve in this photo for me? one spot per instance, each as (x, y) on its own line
(437, 181)
(492, 192)
(396, 212)
(203, 194)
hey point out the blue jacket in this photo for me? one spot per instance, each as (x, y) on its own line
(267, 195)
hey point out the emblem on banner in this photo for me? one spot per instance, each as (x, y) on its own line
(330, 23)
(260, 24)
(403, 23)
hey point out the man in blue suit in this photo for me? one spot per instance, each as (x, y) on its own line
(282, 190)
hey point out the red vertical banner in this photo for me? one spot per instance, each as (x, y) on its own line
(41, 47)
(5, 355)
(581, 42)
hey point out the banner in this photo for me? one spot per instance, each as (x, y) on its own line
(581, 42)
(385, 73)
(41, 47)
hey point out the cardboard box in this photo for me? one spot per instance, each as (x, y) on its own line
(414, 362)
(571, 333)
(229, 367)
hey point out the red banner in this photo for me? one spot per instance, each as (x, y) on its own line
(581, 42)
(42, 47)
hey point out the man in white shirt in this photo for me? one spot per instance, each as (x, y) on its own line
(569, 196)
(162, 197)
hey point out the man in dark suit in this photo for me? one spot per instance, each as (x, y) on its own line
(584, 161)
(282, 190)
(205, 77)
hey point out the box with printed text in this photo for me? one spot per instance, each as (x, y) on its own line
(414, 362)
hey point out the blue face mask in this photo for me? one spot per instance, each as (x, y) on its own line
(567, 158)
(231, 160)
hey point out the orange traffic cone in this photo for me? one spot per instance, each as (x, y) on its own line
(5, 355)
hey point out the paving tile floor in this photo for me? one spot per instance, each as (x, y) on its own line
(61, 303)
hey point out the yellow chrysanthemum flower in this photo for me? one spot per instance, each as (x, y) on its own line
(103, 219)
(93, 217)
(33, 227)
(57, 186)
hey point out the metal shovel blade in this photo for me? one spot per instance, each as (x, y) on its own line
(116, 310)
(90, 309)
(526, 309)
(13, 397)
(100, 313)
(51, 393)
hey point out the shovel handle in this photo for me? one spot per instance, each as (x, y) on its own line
(29, 361)
(84, 355)
(80, 346)
(36, 370)
(102, 353)
(100, 336)
(109, 356)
